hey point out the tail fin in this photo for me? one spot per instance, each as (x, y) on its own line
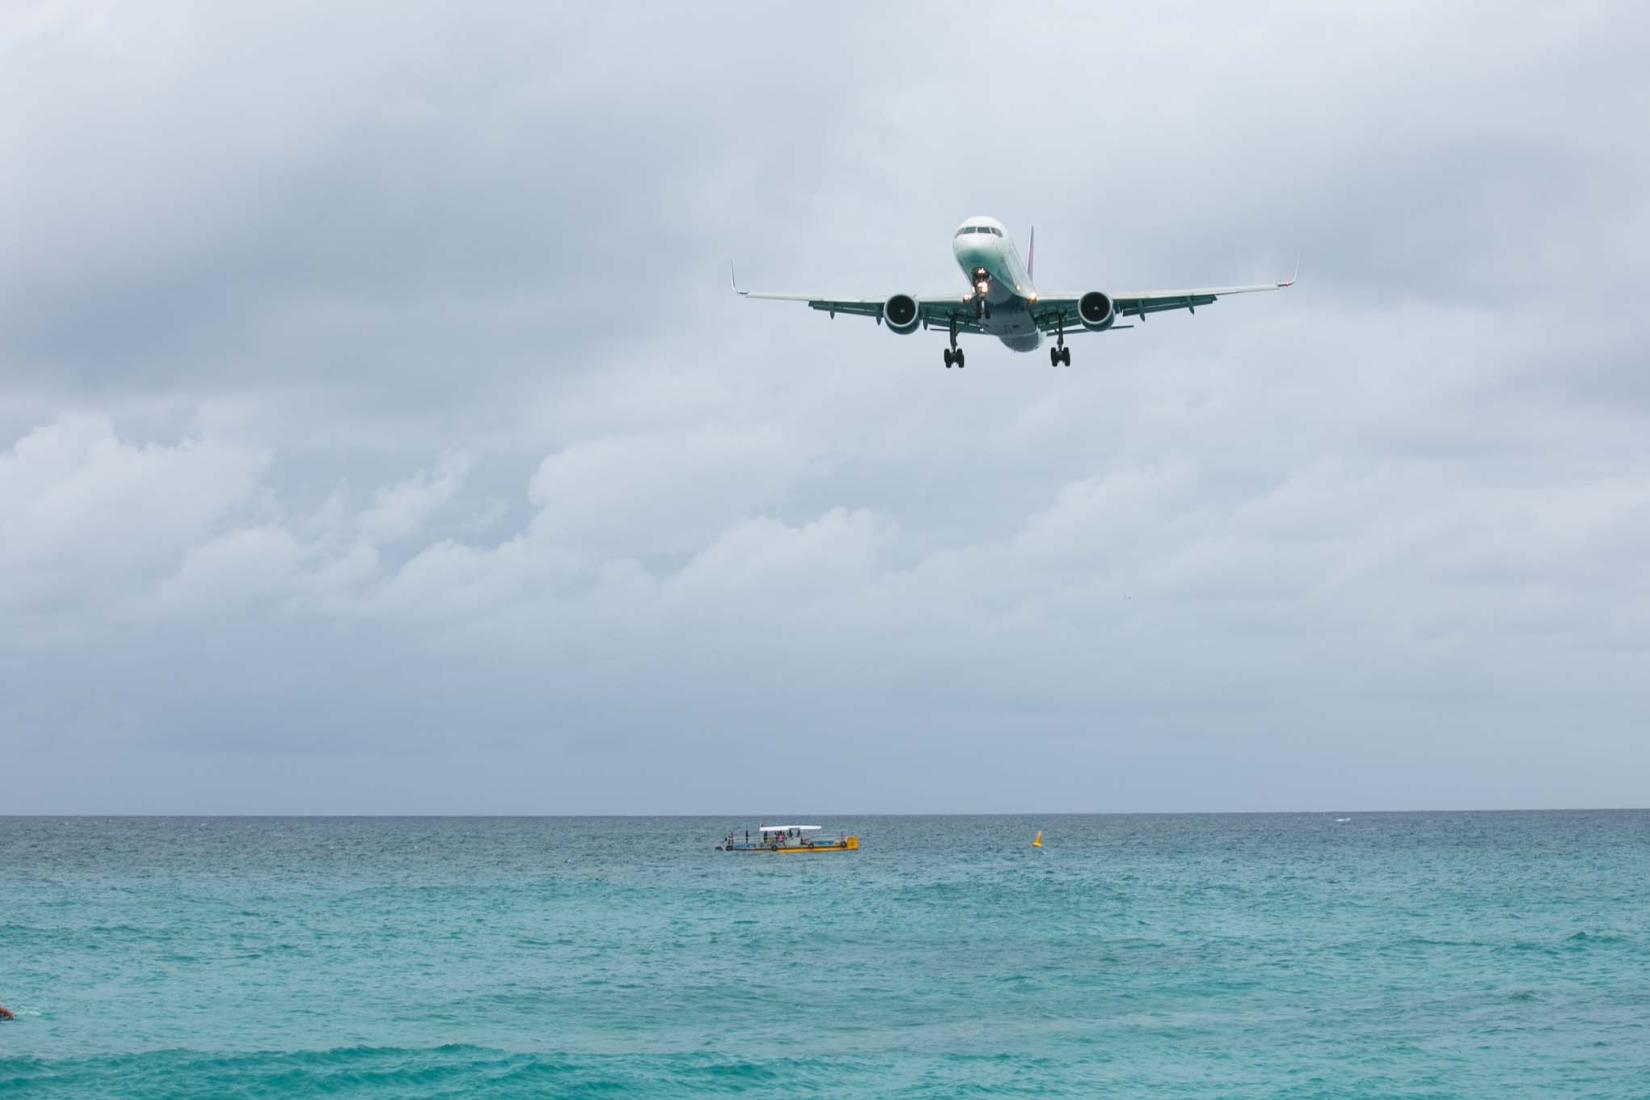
(1031, 255)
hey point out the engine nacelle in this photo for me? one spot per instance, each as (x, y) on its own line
(901, 315)
(1096, 311)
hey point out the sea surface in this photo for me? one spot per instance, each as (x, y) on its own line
(1291, 955)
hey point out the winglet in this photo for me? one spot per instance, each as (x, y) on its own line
(1291, 281)
(734, 279)
(1031, 255)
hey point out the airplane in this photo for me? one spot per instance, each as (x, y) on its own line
(1002, 302)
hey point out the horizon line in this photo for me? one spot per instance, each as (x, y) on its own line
(839, 814)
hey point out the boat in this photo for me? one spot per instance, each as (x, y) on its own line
(789, 839)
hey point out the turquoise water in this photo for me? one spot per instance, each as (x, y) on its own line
(1413, 955)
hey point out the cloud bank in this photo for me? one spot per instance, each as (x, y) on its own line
(378, 433)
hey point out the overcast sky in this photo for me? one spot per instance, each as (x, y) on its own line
(378, 432)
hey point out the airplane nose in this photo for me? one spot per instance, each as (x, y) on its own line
(969, 254)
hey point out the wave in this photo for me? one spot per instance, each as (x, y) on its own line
(454, 1070)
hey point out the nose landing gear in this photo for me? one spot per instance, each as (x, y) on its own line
(982, 288)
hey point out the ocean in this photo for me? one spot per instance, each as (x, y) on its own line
(1292, 955)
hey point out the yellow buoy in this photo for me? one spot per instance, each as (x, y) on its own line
(1037, 841)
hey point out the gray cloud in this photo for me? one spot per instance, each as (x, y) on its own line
(378, 432)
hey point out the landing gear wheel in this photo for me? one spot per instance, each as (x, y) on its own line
(959, 358)
(1065, 356)
(1053, 357)
(948, 358)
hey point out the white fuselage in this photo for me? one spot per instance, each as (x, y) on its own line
(992, 264)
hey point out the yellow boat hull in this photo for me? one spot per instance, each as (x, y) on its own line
(848, 844)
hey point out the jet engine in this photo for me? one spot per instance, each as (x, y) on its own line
(1096, 312)
(901, 314)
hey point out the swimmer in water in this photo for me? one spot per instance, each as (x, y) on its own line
(5, 1013)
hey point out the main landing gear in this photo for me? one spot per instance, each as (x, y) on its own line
(1059, 353)
(954, 354)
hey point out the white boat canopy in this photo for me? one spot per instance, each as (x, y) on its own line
(788, 828)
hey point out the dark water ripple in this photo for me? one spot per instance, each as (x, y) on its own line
(1420, 955)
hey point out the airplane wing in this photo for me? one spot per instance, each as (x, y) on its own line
(937, 311)
(1053, 312)
(1059, 311)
